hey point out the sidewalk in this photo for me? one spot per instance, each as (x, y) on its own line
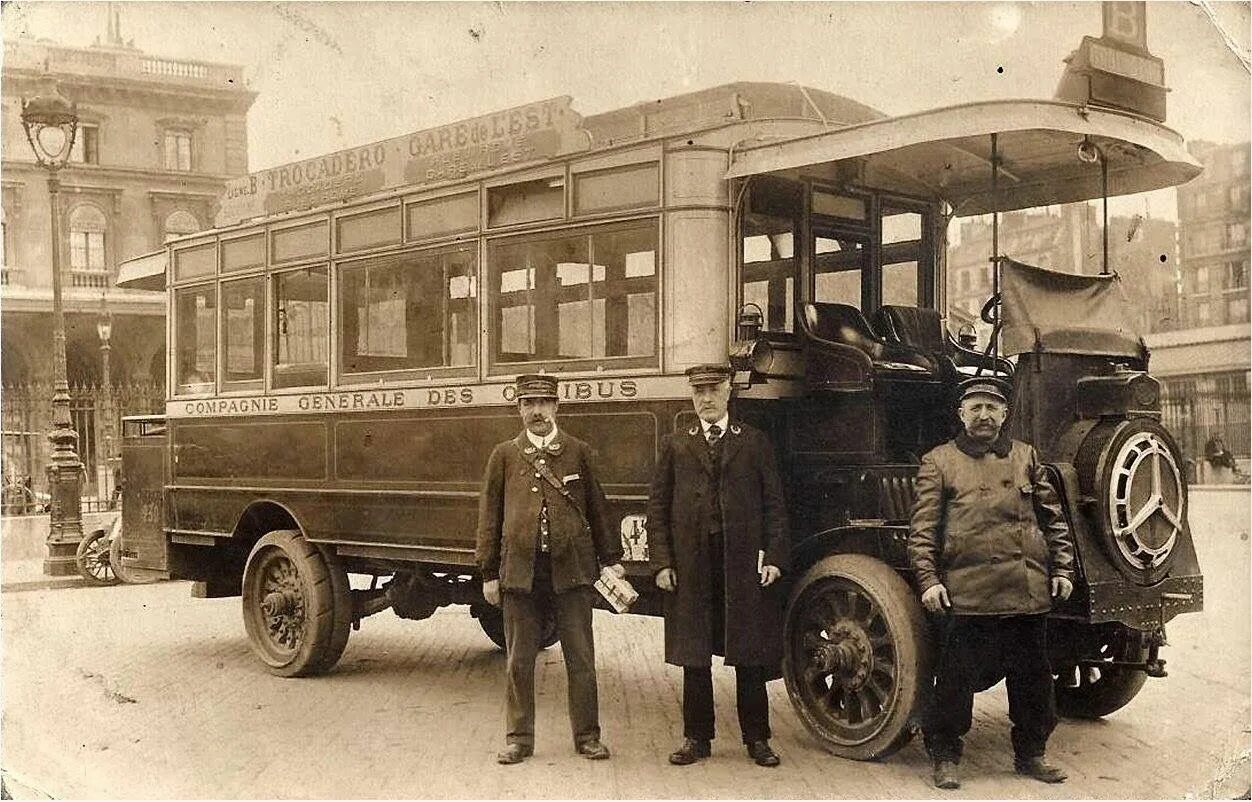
(22, 551)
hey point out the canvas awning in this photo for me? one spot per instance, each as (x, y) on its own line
(1044, 310)
(946, 153)
(145, 272)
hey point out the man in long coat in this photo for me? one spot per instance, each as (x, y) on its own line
(717, 531)
(990, 547)
(543, 539)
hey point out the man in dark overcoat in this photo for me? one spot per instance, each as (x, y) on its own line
(717, 532)
(991, 549)
(543, 539)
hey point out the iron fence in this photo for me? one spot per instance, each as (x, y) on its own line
(26, 419)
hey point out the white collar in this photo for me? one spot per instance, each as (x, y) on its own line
(723, 424)
(541, 442)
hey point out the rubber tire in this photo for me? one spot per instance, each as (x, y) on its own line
(491, 619)
(80, 561)
(1110, 693)
(906, 622)
(328, 606)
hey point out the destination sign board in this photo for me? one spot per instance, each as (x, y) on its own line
(513, 137)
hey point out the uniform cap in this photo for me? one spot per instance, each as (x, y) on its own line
(985, 386)
(535, 385)
(711, 373)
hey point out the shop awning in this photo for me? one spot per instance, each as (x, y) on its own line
(946, 153)
(145, 272)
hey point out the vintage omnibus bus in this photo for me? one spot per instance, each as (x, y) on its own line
(342, 347)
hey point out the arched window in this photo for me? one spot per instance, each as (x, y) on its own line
(179, 223)
(87, 229)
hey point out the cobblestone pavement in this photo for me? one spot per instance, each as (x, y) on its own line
(141, 691)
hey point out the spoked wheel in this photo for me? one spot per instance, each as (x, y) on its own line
(857, 656)
(93, 560)
(492, 621)
(297, 605)
(1103, 689)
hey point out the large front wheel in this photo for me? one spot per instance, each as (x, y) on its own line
(857, 658)
(297, 605)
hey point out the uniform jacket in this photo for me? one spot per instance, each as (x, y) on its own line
(753, 517)
(580, 541)
(988, 525)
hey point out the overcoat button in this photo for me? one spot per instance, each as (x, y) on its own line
(534, 490)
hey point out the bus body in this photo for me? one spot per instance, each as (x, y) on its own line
(343, 344)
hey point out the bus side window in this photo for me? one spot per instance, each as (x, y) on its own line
(575, 296)
(195, 340)
(902, 256)
(768, 239)
(301, 327)
(243, 331)
(409, 311)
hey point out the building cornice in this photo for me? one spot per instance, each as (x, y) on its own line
(209, 181)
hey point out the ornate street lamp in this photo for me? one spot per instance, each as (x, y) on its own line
(51, 123)
(104, 329)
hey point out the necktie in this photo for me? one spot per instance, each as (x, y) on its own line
(715, 434)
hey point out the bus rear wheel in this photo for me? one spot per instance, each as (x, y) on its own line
(857, 656)
(297, 605)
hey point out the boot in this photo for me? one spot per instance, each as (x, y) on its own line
(514, 753)
(1039, 768)
(693, 749)
(946, 775)
(762, 754)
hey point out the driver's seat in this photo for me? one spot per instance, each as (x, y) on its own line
(911, 325)
(845, 325)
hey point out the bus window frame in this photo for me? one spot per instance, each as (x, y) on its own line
(271, 260)
(561, 171)
(799, 235)
(866, 230)
(407, 202)
(262, 232)
(213, 385)
(458, 373)
(271, 326)
(243, 386)
(928, 262)
(495, 370)
(397, 204)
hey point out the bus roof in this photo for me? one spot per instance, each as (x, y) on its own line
(514, 138)
(946, 153)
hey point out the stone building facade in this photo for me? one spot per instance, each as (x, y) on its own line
(158, 138)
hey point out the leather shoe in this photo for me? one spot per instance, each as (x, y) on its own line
(1040, 769)
(693, 749)
(593, 750)
(514, 753)
(946, 776)
(762, 754)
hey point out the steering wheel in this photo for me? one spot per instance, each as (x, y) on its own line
(988, 313)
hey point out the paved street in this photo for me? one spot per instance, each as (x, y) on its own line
(142, 691)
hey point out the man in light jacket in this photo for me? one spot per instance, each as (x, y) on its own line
(991, 550)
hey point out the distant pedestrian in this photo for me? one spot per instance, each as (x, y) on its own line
(991, 549)
(543, 539)
(717, 529)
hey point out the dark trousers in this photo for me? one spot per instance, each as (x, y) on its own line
(524, 616)
(751, 700)
(975, 651)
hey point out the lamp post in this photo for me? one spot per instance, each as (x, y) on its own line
(104, 329)
(51, 123)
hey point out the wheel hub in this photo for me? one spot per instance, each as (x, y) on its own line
(278, 603)
(847, 655)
